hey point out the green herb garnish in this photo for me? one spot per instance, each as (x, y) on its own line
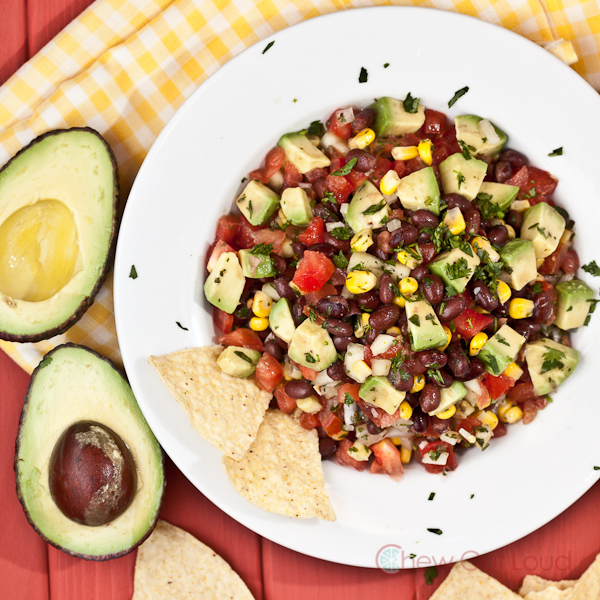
(375, 208)
(341, 233)
(310, 358)
(415, 320)
(133, 273)
(181, 326)
(411, 105)
(436, 531)
(556, 152)
(459, 177)
(459, 269)
(431, 496)
(339, 260)
(552, 360)
(243, 356)
(431, 573)
(268, 46)
(345, 170)
(364, 75)
(459, 94)
(592, 268)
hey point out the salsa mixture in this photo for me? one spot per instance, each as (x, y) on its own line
(404, 285)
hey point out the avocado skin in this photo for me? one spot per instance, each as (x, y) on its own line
(20, 494)
(88, 300)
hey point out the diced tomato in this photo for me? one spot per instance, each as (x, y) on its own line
(314, 233)
(497, 386)
(337, 161)
(531, 408)
(339, 186)
(552, 263)
(542, 181)
(291, 176)
(269, 372)
(309, 421)
(356, 178)
(313, 297)
(273, 162)
(379, 416)
(449, 140)
(341, 128)
(219, 248)
(286, 403)
(245, 237)
(400, 347)
(470, 322)
(344, 458)
(268, 236)
(520, 179)
(313, 175)
(389, 457)
(435, 123)
(307, 372)
(221, 320)
(227, 228)
(377, 467)
(437, 448)
(348, 388)
(381, 168)
(415, 164)
(244, 338)
(522, 392)
(313, 272)
(400, 168)
(469, 424)
(330, 422)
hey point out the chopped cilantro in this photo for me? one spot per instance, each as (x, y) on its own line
(552, 360)
(364, 75)
(316, 128)
(345, 170)
(459, 269)
(181, 326)
(435, 375)
(268, 46)
(556, 152)
(339, 260)
(262, 250)
(415, 320)
(412, 555)
(536, 288)
(459, 94)
(329, 197)
(341, 233)
(250, 207)
(386, 65)
(596, 468)
(592, 268)
(472, 496)
(242, 312)
(375, 208)
(466, 149)
(348, 399)
(431, 496)
(489, 209)
(242, 355)
(411, 105)
(459, 177)
(396, 363)
(436, 531)
(431, 573)
(493, 363)
(502, 340)
(133, 273)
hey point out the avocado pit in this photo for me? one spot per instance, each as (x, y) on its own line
(92, 473)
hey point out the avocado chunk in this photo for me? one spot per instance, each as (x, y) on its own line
(296, 207)
(238, 362)
(281, 321)
(468, 131)
(501, 193)
(367, 262)
(543, 226)
(424, 327)
(501, 349)
(392, 119)
(449, 396)
(257, 202)
(58, 211)
(224, 286)
(456, 268)
(367, 209)
(519, 256)
(420, 190)
(302, 153)
(312, 347)
(73, 385)
(380, 392)
(256, 263)
(549, 364)
(573, 304)
(462, 176)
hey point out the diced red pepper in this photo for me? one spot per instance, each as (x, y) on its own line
(497, 386)
(344, 458)
(313, 272)
(314, 233)
(437, 448)
(286, 403)
(331, 424)
(309, 421)
(243, 338)
(269, 372)
(227, 228)
(221, 320)
(389, 457)
(341, 128)
(470, 322)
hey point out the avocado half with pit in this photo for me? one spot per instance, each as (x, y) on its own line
(89, 471)
(58, 208)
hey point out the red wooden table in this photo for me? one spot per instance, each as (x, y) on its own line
(31, 570)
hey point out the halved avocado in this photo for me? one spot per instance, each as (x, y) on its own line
(58, 213)
(75, 385)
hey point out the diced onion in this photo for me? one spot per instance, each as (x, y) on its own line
(323, 379)
(345, 115)
(448, 438)
(381, 366)
(344, 209)
(382, 343)
(487, 131)
(468, 436)
(441, 460)
(394, 224)
(331, 226)
(350, 411)
(354, 353)
(330, 140)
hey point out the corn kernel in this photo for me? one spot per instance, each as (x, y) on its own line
(504, 408)
(396, 441)
(399, 301)
(448, 338)
(405, 152)
(504, 292)
(455, 221)
(539, 262)
(520, 308)
(520, 205)
(262, 304)
(425, 149)
(446, 414)
(393, 331)
(408, 259)
(364, 317)
(418, 384)
(361, 369)
(362, 240)
(362, 139)
(481, 243)
(477, 343)
(512, 415)
(406, 410)
(408, 286)
(359, 282)
(389, 182)
(512, 234)
(481, 311)
(488, 418)
(513, 371)
(259, 323)
(405, 455)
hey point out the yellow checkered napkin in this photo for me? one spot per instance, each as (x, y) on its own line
(125, 66)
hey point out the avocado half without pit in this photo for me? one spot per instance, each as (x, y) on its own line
(89, 471)
(58, 207)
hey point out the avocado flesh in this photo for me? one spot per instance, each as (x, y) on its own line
(58, 202)
(75, 384)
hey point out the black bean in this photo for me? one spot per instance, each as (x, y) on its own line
(412, 398)
(430, 398)
(456, 200)
(459, 364)
(337, 245)
(282, 285)
(423, 237)
(502, 309)
(476, 368)
(333, 306)
(341, 343)
(273, 349)
(319, 187)
(364, 161)
(369, 300)
(442, 379)
(385, 317)
(298, 248)
(336, 371)
(439, 425)
(386, 293)
(298, 310)
(379, 253)
(432, 287)
(353, 309)
(401, 379)
(372, 428)
(362, 119)
(298, 389)
(450, 309)
(498, 235)
(516, 159)
(483, 296)
(325, 249)
(514, 219)
(543, 309)
(432, 358)
(424, 218)
(420, 421)
(327, 447)
(503, 171)
(338, 328)
(473, 221)
(283, 345)
(404, 236)
(320, 210)
(280, 263)
(419, 272)
(526, 327)
(371, 334)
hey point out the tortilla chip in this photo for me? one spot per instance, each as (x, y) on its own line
(171, 563)
(466, 582)
(226, 411)
(550, 593)
(282, 472)
(534, 583)
(588, 587)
